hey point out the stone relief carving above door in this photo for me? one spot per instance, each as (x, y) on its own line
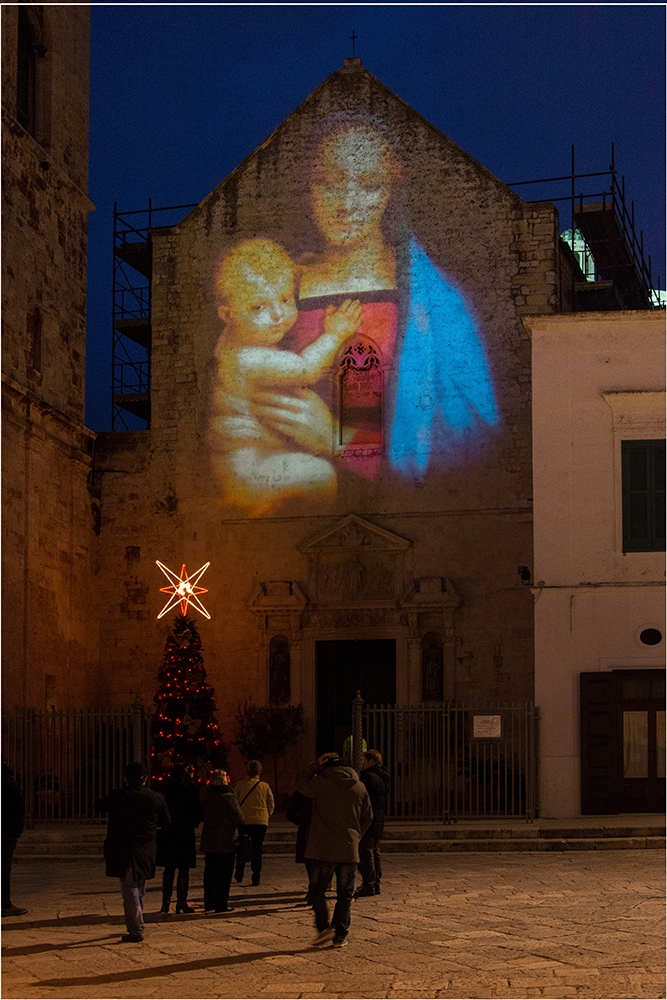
(356, 563)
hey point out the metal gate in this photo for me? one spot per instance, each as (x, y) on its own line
(66, 760)
(449, 761)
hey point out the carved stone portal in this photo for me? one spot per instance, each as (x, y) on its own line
(355, 564)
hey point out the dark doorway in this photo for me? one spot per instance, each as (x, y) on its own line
(623, 742)
(343, 668)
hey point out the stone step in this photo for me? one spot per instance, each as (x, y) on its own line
(81, 840)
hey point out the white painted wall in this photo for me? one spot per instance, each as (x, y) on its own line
(598, 378)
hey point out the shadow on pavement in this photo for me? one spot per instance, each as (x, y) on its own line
(37, 949)
(130, 975)
(92, 919)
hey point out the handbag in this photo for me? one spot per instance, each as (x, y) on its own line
(243, 848)
(243, 841)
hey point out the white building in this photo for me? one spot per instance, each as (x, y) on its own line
(599, 534)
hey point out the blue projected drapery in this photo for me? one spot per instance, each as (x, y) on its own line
(444, 393)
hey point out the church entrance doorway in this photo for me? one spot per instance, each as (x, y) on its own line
(343, 668)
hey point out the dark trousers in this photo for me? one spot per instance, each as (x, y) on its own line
(321, 874)
(218, 871)
(256, 832)
(8, 845)
(182, 884)
(370, 861)
(133, 891)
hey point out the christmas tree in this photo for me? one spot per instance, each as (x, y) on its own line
(185, 730)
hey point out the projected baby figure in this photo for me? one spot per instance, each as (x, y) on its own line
(253, 463)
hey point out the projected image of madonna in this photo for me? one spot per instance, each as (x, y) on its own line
(411, 386)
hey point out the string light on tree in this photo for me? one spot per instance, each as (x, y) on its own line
(185, 728)
(183, 589)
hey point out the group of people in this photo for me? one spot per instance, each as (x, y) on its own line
(339, 813)
(148, 828)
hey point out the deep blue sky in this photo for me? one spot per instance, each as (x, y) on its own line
(181, 94)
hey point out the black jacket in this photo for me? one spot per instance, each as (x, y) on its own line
(176, 846)
(222, 818)
(13, 806)
(134, 817)
(377, 781)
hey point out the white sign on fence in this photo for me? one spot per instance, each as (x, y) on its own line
(485, 726)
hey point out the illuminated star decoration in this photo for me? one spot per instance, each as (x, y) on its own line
(183, 589)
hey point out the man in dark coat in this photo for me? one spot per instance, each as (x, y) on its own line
(135, 813)
(13, 813)
(341, 815)
(222, 818)
(376, 779)
(176, 846)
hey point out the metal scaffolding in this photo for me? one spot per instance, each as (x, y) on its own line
(131, 312)
(612, 271)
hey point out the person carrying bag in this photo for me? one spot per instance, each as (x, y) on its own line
(256, 802)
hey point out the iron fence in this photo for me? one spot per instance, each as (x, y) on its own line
(449, 761)
(66, 760)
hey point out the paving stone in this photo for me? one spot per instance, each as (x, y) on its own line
(541, 924)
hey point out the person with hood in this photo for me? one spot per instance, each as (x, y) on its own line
(341, 814)
(135, 813)
(376, 779)
(176, 847)
(222, 818)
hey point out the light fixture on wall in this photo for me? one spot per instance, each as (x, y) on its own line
(183, 589)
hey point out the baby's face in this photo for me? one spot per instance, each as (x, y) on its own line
(261, 309)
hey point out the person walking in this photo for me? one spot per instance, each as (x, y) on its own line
(299, 811)
(13, 820)
(176, 848)
(135, 813)
(256, 801)
(376, 779)
(222, 818)
(341, 815)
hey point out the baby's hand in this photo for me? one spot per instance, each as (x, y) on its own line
(344, 321)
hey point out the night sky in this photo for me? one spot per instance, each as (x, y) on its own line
(181, 94)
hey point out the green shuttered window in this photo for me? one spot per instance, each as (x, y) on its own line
(643, 496)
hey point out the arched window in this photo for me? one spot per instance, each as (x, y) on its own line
(279, 670)
(30, 71)
(34, 324)
(432, 667)
(25, 73)
(360, 419)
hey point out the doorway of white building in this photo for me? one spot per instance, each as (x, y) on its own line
(623, 742)
(343, 668)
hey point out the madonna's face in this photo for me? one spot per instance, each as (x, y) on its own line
(351, 186)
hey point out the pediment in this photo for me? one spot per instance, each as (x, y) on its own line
(355, 533)
(277, 595)
(435, 592)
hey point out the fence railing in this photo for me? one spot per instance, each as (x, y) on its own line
(450, 761)
(66, 760)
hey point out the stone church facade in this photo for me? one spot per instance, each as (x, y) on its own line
(429, 561)
(340, 413)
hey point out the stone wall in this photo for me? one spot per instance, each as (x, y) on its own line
(50, 639)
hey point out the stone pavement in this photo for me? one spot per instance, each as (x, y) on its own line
(579, 924)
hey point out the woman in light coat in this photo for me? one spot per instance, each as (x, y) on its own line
(256, 802)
